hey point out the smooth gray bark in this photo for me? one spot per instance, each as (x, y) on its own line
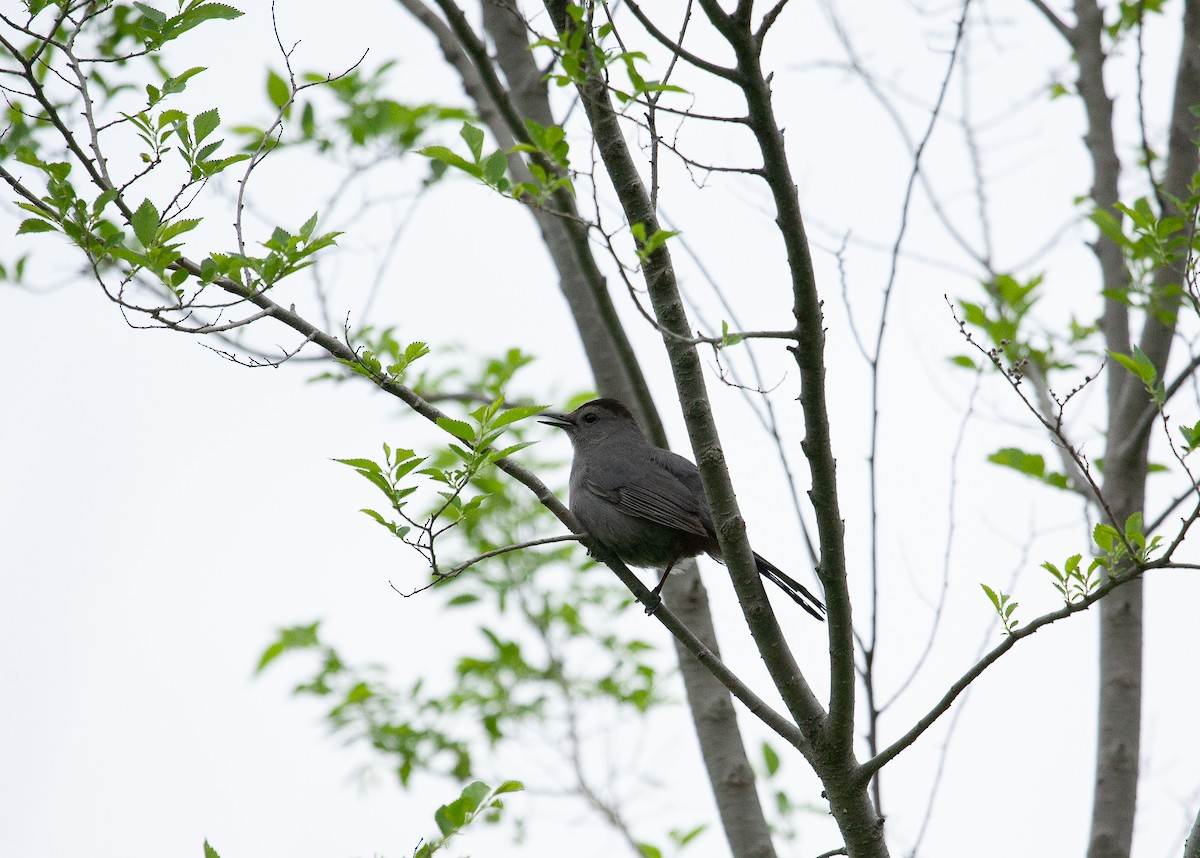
(1115, 798)
(617, 374)
(721, 744)
(829, 749)
(1126, 462)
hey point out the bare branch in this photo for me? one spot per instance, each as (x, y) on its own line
(1055, 22)
(768, 20)
(873, 765)
(947, 551)
(439, 576)
(676, 48)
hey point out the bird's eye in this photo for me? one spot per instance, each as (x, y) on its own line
(590, 417)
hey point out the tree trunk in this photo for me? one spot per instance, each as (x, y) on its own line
(1126, 467)
(617, 374)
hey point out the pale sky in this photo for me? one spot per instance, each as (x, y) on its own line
(165, 511)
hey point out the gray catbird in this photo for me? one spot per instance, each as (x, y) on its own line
(641, 502)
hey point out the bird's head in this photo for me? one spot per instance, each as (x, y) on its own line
(594, 422)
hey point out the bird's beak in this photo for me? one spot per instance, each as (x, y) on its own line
(557, 419)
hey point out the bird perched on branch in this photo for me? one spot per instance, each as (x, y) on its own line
(645, 504)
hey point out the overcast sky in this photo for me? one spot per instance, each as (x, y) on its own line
(165, 511)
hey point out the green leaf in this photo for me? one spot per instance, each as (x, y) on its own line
(206, 123)
(520, 412)
(1031, 464)
(1105, 536)
(209, 852)
(169, 117)
(34, 224)
(653, 242)
(306, 230)
(145, 223)
(770, 759)
(155, 16)
(101, 202)
(474, 138)
(494, 167)
(1138, 364)
(509, 786)
(177, 228)
(25, 155)
(279, 239)
(210, 12)
(211, 168)
(361, 464)
(1191, 437)
(178, 83)
(448, 819)
(391, 526)
(1133, 527)
(475, 793)
(457, 428)
(963, 361)
(451, 159)
(296, 637)
(991, 594)
(975, 315)
(505, 452)
(277, 89)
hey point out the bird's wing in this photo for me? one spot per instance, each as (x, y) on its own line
(679, 467)
(655, 494)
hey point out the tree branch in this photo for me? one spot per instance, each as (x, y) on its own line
(1191, 849)
(690, 388)
(871, 766)
(607, 347)
(1055, 22)
(676, 48)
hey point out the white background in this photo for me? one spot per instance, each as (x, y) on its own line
(164, 511)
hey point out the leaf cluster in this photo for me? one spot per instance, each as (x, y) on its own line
(556, 647)
(477, 801)
(1123, 549)
(475, 453)
(578, 53)
(1151, 245)
(407, 728)
(361, 115)
(646, 245)
(1030, 464)
(158, 28)
(1117, 551)
(1006, 320)
(549, 168)
(98, 215)
(1130, 14)
(1005, 607)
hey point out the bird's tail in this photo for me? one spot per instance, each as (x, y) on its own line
(799, 593)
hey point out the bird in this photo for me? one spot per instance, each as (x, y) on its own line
(643, 503)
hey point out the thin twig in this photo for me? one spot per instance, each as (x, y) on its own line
(440, 576)
(868, 769)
